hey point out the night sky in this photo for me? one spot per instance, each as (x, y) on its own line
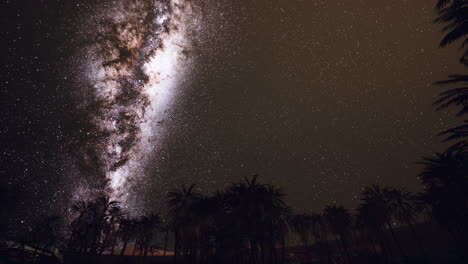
(134, 98)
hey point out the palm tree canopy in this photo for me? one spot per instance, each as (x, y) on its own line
(453, 13)
(445, 168)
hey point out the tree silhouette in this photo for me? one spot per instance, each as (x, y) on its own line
(373, 213)
(403, 206)
(339, 219)
(445, 177)
(453, 14)
(180, 203)
(127, 232)
(302, 224)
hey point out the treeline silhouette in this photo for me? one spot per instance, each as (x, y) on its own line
(250, 222)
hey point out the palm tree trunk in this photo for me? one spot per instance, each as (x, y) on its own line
(175, 246)
(134, 249)
(397, 242)
(252, 253)
(418, 238)
(345, 249)
(386, 251)
(327, 245)
(262, 248)
(114, 241)
(165, 242)
(283, 250)
(124, 247)
(374, 249)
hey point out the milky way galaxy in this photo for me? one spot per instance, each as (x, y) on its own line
(135, 98)
(135, 56)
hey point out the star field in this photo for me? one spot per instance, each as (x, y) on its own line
(318, 97)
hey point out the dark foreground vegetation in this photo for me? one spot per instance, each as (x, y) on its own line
(249, 222)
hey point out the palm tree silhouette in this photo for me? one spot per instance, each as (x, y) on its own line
(180, 204)
(112, 215)
(453, 14)
(455, 97)
(403, 206)
(374, 215)
(261, 215)
(80, 226)
(339, 219)
(127, 231)
(445, 177)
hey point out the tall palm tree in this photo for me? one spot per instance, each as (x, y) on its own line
(382, 197)
(113, 214)
(309, 226)
(403, 206)
(260, 213)
(80, 236)
(373, 215)
(339, 220)
(180, 203)
(116, 217)
(127, 230)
